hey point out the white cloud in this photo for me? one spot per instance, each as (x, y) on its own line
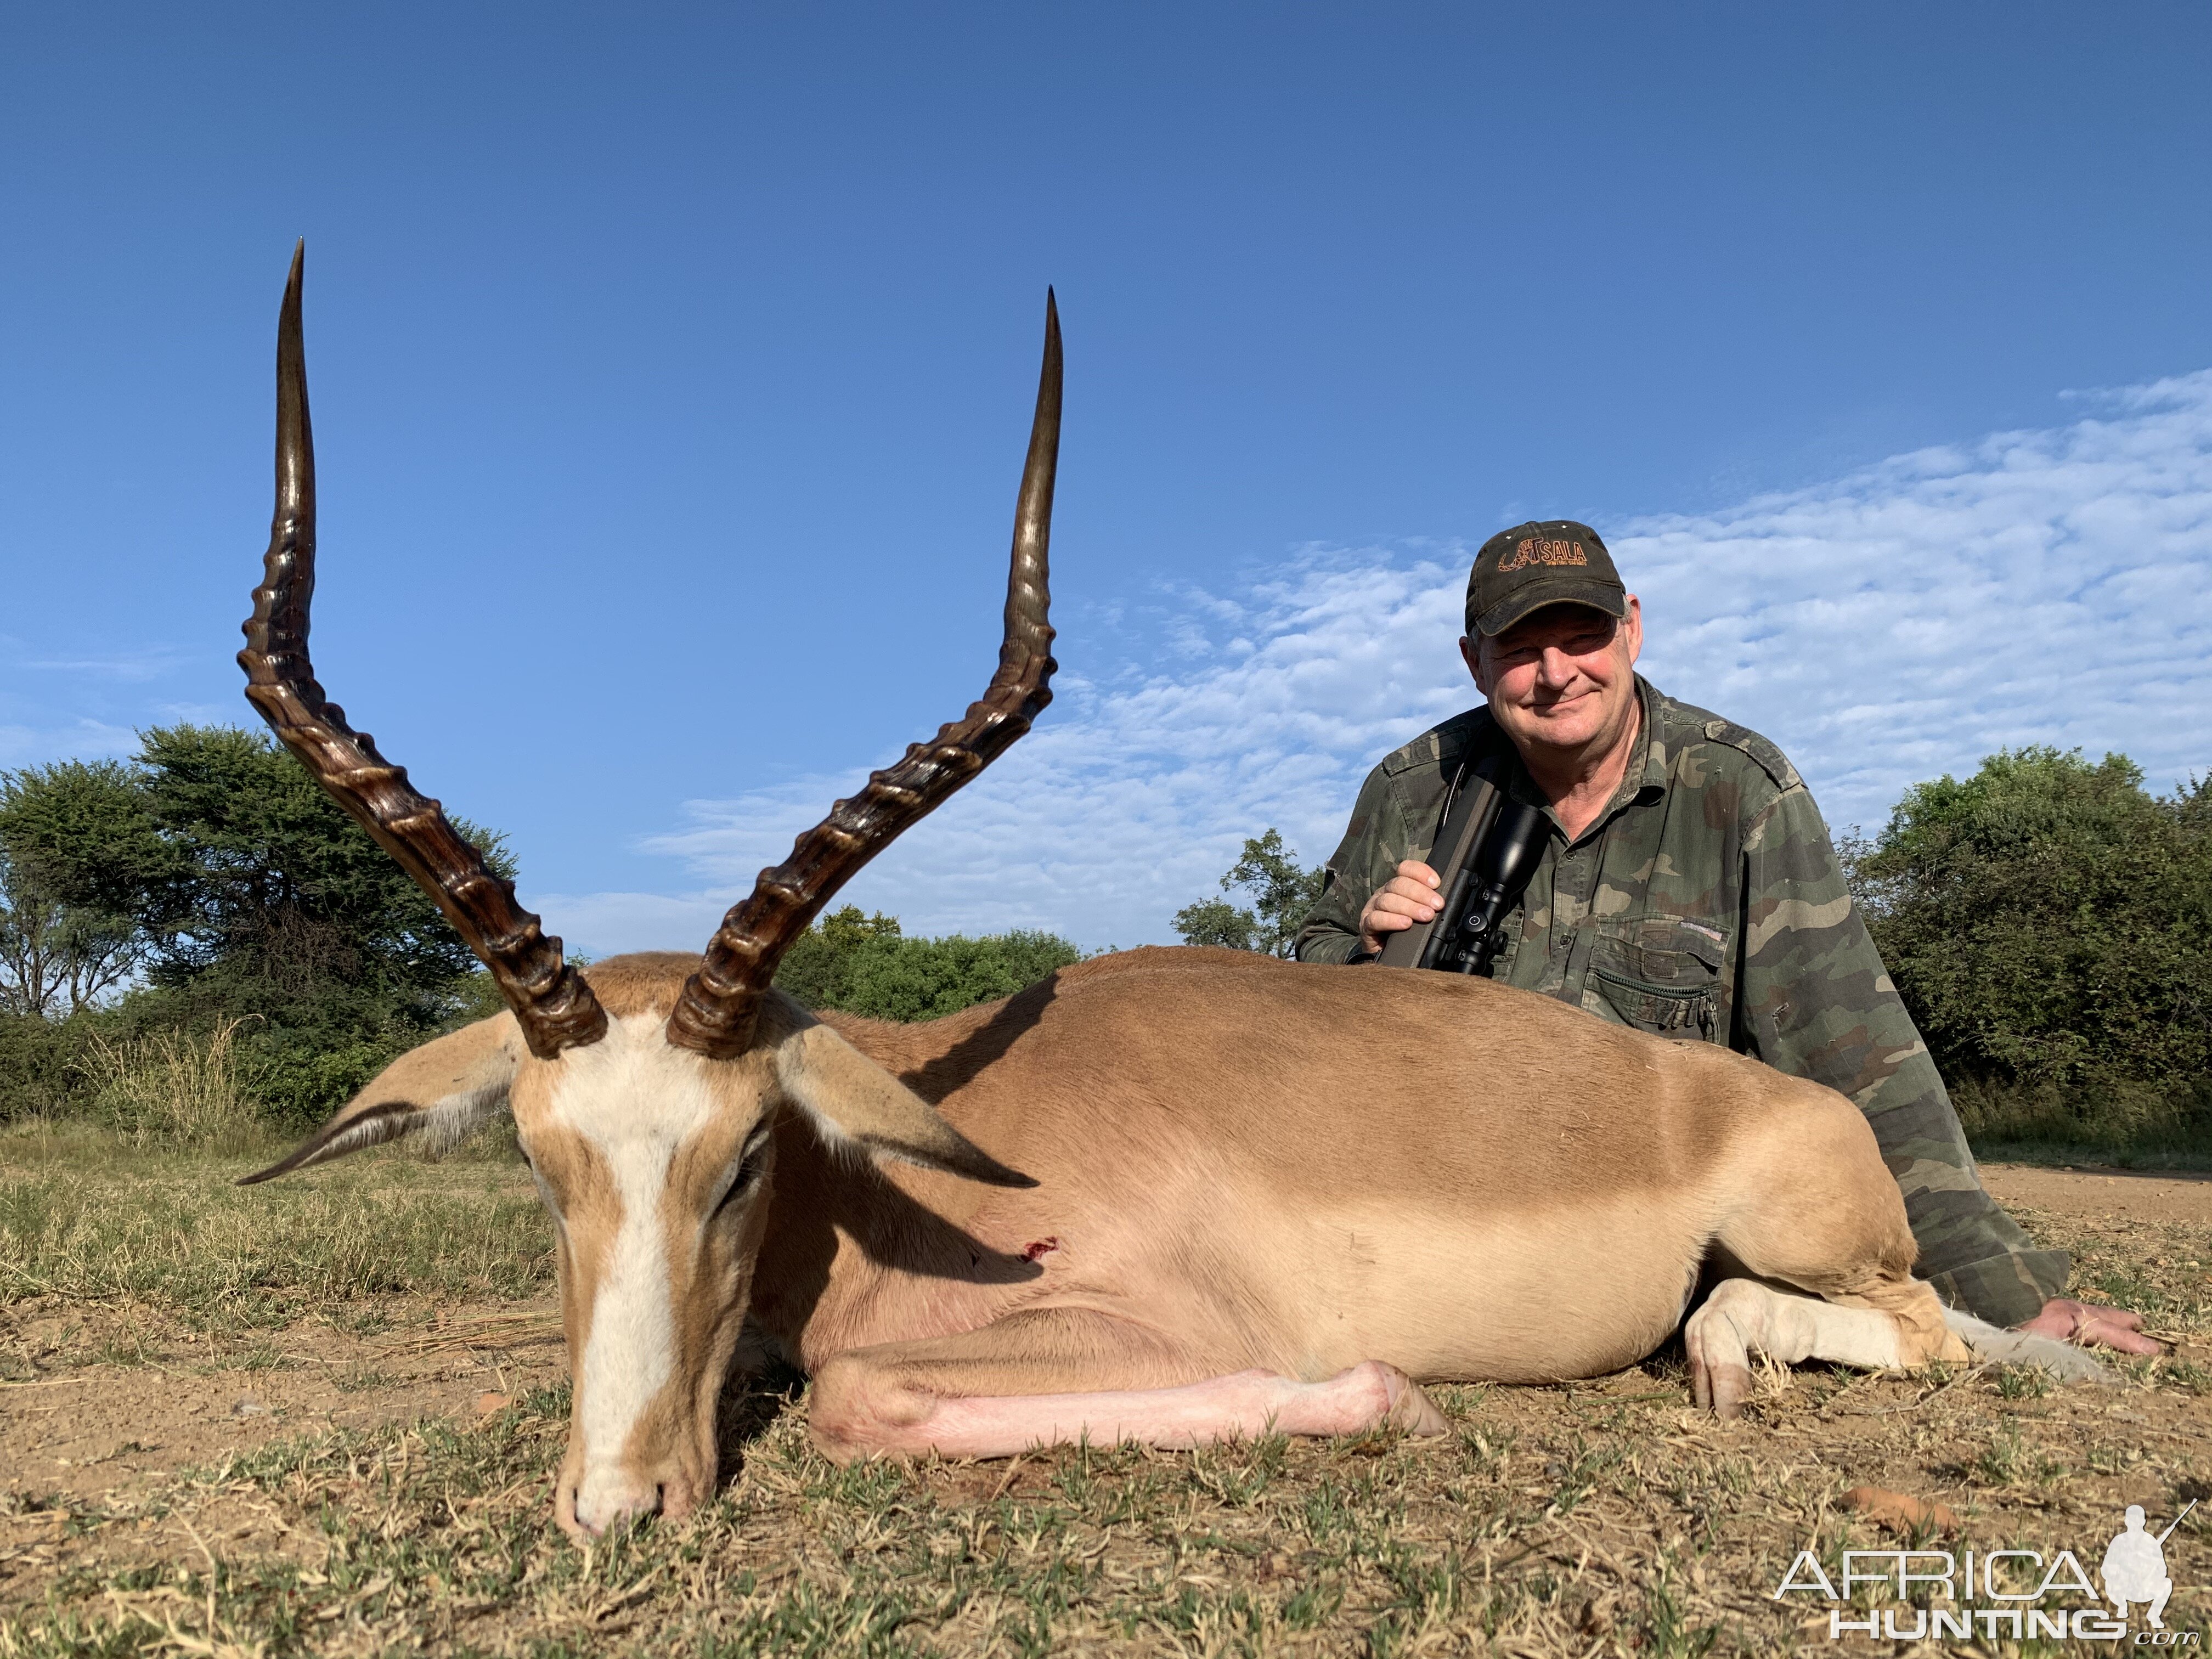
(2044, 587)
(38, 725)
(153, 663)
(2049, 586)
(86, 739)
(1130, 799)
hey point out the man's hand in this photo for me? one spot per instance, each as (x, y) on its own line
(1409, 897)
(2093, 1326)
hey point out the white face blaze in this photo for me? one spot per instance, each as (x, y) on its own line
(658, 1166)
(634, 1101)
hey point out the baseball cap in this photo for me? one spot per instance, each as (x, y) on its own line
(1544, 562)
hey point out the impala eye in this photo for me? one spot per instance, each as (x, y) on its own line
(752, 1165)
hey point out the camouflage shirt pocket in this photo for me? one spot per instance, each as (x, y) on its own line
(1659, 974)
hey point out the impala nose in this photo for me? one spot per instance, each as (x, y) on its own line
(607, 1498)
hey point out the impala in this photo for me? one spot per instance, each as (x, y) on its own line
(1168, 1195)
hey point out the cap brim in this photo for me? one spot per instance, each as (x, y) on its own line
(1536, 596)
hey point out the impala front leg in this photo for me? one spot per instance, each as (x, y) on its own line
(1056, 1376)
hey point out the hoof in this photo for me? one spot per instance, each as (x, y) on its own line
(1731, 1388)
(1719, 1387)
(1416, 1413)
(1408, 1408)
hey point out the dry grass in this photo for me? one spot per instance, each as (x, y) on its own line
(1603, 1518)
(177, 1089)
(2129, 1125)
(87, 1220)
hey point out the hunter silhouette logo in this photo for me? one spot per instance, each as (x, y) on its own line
(2135, 1567)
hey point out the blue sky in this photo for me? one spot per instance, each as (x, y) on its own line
(672, 366)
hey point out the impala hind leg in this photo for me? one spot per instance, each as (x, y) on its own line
(1054, 1375)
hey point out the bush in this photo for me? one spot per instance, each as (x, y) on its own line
(43, 1074)
(864, 964)
(2049, 922)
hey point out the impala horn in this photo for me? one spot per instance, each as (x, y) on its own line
(555, 1008)
(715, 1013)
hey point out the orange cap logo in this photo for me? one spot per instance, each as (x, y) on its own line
(1534, 551)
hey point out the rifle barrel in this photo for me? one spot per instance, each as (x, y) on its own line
(2178, 1520)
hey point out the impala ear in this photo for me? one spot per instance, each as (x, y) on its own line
(441, 1090)
(852, 1101)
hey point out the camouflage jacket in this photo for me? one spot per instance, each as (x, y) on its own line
(1706, 903)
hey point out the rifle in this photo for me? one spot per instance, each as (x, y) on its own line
(1491, 847)
(2178, 1520)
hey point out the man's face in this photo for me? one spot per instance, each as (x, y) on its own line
(1563, 678)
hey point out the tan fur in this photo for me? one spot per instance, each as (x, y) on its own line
(1239, 1165)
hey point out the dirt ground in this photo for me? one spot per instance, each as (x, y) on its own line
(2104, 1194)
(122, 1430)
(315, 1488)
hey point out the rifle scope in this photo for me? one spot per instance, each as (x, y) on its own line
(1487, 850)
(1500, 868)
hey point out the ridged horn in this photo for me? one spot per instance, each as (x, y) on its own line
(555, 1006)
(715, 1013)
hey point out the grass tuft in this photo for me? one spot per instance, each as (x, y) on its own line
(174, 1088)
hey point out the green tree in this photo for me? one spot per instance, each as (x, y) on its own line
(1283, 893)
(2048, 920)
(79, 854)
(275, 907)
(864, 964)
(275, 893)
(1216, 921)
(214, 883)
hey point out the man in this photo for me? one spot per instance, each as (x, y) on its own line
(1687, 887)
